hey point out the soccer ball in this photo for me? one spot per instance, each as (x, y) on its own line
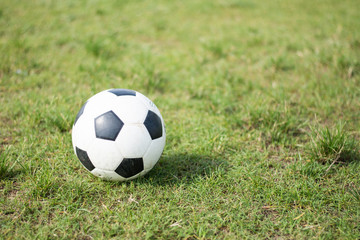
(118, 134)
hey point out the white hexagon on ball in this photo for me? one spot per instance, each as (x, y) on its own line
(118, 135)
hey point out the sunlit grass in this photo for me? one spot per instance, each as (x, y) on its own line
(261, 105)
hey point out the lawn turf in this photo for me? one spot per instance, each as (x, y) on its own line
(261, 105)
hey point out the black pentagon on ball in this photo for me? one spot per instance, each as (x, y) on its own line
(80, 113)
(130, 167)
(122, 92)
(84, 159)
(108, 126)
(153, 124)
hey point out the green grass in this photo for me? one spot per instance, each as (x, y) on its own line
(261, 104)
(334, 145)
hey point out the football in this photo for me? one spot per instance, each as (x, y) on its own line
(118, 134)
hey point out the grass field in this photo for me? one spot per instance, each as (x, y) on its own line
(261, 102)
